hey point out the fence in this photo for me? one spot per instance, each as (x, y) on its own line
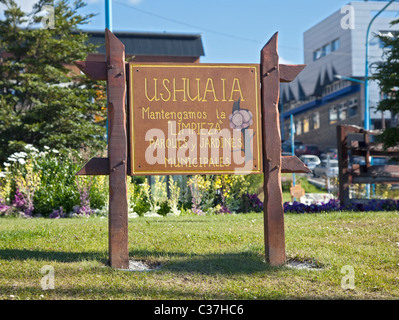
(354, 141)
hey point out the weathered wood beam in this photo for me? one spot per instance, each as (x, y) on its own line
(117, 152)
(292, 164)
(96, 70)
(95, 167)
(273, 204)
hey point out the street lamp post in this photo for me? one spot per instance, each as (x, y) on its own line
(366, 80)
(108, 14)
(366, 85)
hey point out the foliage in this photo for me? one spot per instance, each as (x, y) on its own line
(174, 191)
(222, 194)
(251, 203)
(387, 74)
(198, 184)
(44, 183)
(42, 102)
(164, 208)
(138, 197)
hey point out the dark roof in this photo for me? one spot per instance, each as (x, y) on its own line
(291, 96)
(318, 90)
(327, 79)
(301, 92)
(334, 72)
(153, 44)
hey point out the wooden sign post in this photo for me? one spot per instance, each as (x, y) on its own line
(223, 106)
(114, 71)
(273, 164)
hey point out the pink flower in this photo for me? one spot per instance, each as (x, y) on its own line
(240, 119)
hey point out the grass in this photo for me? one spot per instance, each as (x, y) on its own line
(211, 257)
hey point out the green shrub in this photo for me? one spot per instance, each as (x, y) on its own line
(45, 182)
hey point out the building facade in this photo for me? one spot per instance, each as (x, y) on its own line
(322, 96)
(152, 47)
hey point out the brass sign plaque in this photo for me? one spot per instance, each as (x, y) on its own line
(194, 119)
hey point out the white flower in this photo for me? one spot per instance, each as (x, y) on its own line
(21, 161)
(47, 148)
(6, 164)
(29, 147)
(12, 159)
(55, 151)
(19, 155)
(2, 174)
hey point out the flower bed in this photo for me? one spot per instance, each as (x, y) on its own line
(334, 205)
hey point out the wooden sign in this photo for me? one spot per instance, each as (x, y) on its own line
(297, 191)
(216, 106)
(195, 119)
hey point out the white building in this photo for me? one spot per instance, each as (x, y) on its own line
(318, 99)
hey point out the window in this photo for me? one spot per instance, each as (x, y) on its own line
(328, 89)
(342, 111)
(333, 114)
(335, 45)
(352, 109)
(316, 121)
(298, 128)
(305, 125)
(317, 55)
(326, 49)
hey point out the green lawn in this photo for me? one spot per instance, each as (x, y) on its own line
(211, 257)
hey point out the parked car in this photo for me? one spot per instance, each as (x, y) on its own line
(333, 153)
(286, 145)
(308, 149)
(311, 161)
(323, 170)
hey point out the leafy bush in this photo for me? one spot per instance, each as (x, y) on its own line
(164, 208)
(139, 197)
(43, 183)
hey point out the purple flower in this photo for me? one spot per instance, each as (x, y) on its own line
(56, 214)
(19, 200)
(224, 210)
(197, 211)
(3, 206)
(83, 210)
(334, 205)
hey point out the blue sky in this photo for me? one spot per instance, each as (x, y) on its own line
(233, 31)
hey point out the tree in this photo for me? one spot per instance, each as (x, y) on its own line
(387, 73)
(43, 102)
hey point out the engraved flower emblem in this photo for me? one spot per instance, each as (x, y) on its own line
(240, 119)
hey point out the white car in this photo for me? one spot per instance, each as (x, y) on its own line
(310, 160)
(323, 170)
